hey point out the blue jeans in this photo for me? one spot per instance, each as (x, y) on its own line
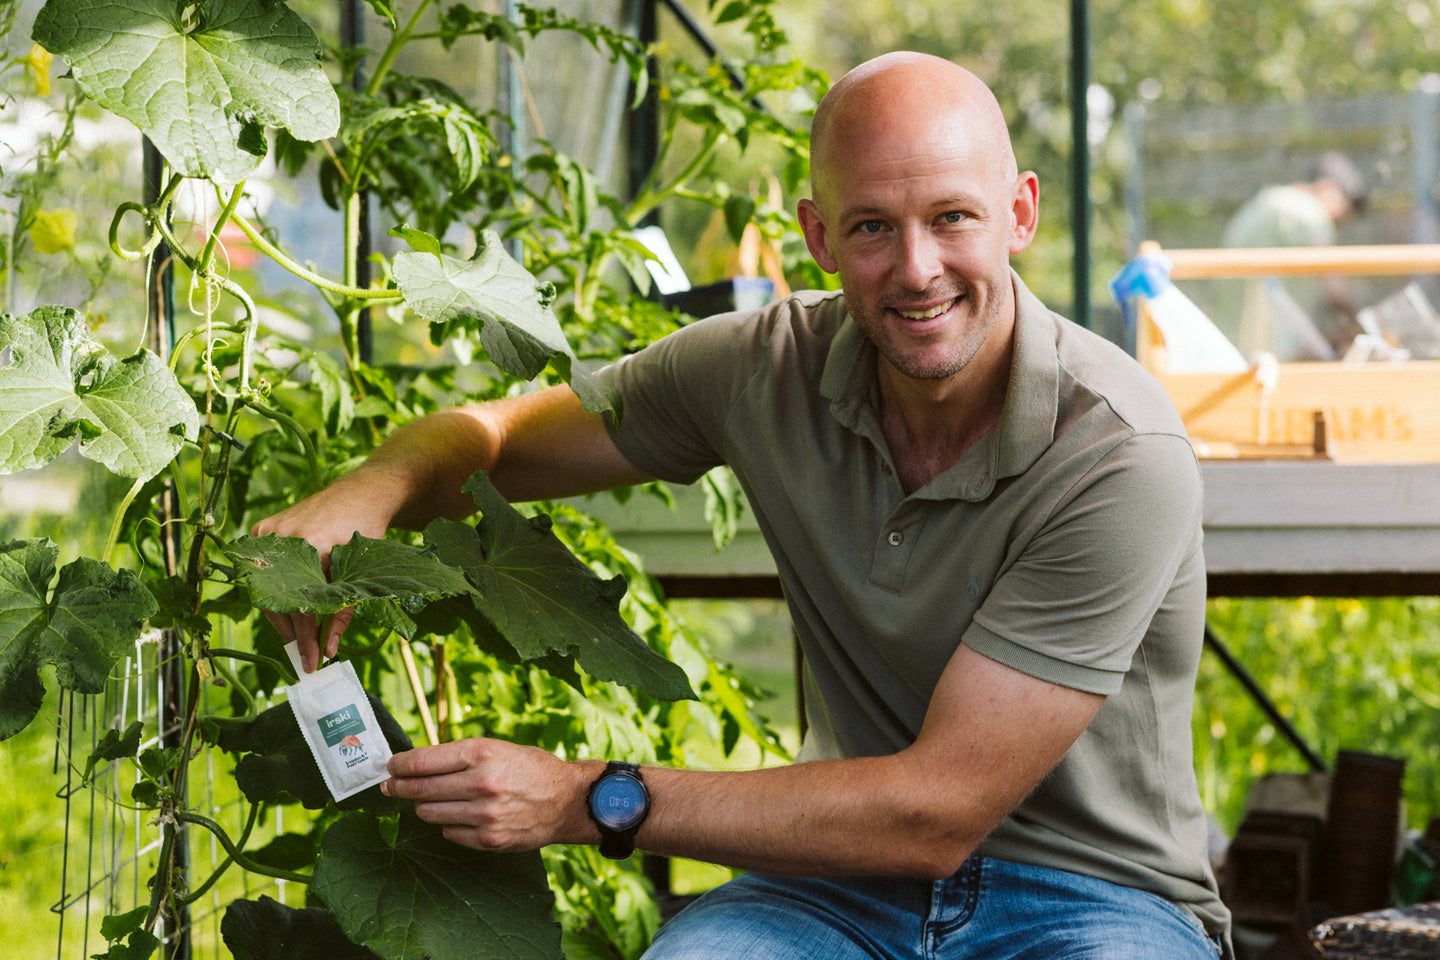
(989, 909)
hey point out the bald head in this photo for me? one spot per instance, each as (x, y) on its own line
(906, 95)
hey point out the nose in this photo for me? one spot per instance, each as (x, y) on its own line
(918, 261)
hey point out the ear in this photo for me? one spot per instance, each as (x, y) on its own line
(1024, 211)
(816, 235)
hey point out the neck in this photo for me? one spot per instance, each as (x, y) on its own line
(929, 424)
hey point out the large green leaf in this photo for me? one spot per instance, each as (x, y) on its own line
(443, 617)
(543, 600)
(266, 929)
(497, 299)
(284, 573)
(90, 621)
(422, 896)
(61, 384)
(201, 87)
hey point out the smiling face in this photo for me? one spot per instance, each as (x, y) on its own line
(918, 207)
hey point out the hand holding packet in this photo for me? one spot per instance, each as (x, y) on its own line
(339, 726)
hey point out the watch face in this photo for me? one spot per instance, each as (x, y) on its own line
(619, 801)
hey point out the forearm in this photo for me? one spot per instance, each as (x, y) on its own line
(412, 478)
(536, 446)
(418, 473)
(835, 818)
(990, 735)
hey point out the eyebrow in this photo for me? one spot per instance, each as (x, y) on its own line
(870, 211)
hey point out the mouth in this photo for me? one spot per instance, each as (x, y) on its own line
(929, 314)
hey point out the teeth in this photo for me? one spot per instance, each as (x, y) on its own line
(925, 314)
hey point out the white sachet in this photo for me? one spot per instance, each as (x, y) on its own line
(339, 725)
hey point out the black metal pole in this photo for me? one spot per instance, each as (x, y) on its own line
(510, 102)
(352, 36)
(1080, 155)
(1263, 701)
(172, 662)
(645, 120)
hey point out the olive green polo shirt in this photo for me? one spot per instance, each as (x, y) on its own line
(1065, 544)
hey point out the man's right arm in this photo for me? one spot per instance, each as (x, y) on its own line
(536, 446)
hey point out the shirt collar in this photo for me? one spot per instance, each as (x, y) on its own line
(1027, 420)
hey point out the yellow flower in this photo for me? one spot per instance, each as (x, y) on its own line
(53, 230)
(37, 67)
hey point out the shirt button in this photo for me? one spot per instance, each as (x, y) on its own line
(896, 538)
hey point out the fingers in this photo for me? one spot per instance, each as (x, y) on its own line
(423, 763)
(309, 649)
(335, 628)
(313, 639)
(485, 794)
(281, 623)
(301, 629)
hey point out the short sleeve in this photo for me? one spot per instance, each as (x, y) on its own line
(677, 394)
(1077, 598)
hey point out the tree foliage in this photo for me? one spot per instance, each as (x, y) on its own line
(1171, 53)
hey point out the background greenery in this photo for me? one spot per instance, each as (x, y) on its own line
(1166, 55)
(1353, 674)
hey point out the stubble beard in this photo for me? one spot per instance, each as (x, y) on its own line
(917, 367)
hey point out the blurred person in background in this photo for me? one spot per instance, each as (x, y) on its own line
(1300, 318)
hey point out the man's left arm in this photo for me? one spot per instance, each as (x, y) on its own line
(990, 735)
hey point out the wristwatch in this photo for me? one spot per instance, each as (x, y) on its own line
(618, 803)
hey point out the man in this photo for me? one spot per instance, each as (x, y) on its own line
(987, 521)
(1303, 318)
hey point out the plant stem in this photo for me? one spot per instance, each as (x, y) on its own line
(129, 206)
(199, 891)
(159, 886)
(297, 431)
(195, 565)
(350, 314)
(229, 286)
(184, 339)
(208, 253)
(407, 657)
(398, 40)
(324, 283)
(236, 853)
(119, 520)
(650, 199)
(248, 657)
(241, 690)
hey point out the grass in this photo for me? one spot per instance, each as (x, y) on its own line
(33, 847)
(39, 855)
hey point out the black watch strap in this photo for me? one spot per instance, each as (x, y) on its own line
(617, 844)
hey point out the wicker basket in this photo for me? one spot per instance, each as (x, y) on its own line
(1400, 933)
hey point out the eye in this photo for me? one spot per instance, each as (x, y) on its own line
(869, 226)
(954, 216)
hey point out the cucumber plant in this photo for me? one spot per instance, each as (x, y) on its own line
(537, 626)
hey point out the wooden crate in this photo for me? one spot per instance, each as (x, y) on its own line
(1371, 413)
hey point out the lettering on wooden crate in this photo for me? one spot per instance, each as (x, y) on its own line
(1355, 424)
